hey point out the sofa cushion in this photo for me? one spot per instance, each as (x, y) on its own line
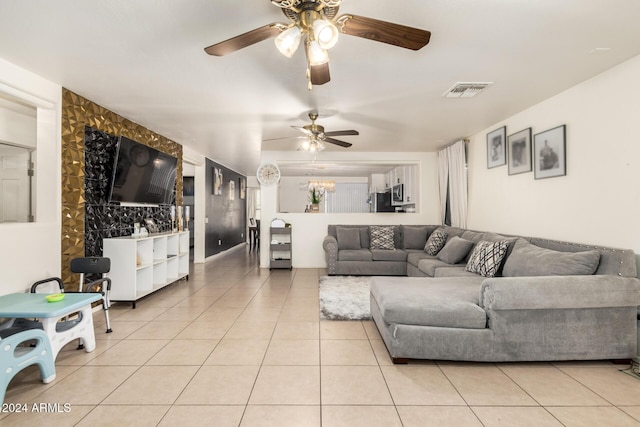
(348, 238)
(527, 259)
(454, 271)
(414, 258)
(386, 255)
(355, 255)
(435, 242)
(414, 237)
(382, 237)
(448, 303)
(486, 257)
(478, 236)
(365, 241)
(454, 250)
(428, 265)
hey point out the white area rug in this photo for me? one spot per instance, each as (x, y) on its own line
(344, 298)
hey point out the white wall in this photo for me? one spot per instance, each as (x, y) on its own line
(17, 128)
(31, 251)
(598, 201)
(309, 229)
(197, 163)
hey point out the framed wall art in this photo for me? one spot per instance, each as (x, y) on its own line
(519, 152)
(217, 181)
(232, 190)
(549, 153)
(497, 147)
(243, 188)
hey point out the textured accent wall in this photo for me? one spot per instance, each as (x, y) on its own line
(103, 219)
(78, 113)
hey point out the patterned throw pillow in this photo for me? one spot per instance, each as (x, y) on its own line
(486, 257)
(435, 242)
(382, 237)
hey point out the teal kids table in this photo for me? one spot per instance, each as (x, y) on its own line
(30, 306)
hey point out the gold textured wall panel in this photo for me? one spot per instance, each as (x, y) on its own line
(78, 112)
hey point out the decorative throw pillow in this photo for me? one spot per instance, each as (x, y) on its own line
(382, 237)
(527, 259)
(348, 238)
(435, 242)
(455, 250)
(486, 257)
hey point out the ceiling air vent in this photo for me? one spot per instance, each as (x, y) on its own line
(465, 90)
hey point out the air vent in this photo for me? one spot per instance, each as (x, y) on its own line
(465, 90)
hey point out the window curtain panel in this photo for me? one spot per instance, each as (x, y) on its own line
(452, 171)
(443, 180)
(348, 197)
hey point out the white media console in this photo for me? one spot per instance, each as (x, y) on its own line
(142, 265)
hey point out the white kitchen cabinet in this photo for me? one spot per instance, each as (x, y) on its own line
(411, 187)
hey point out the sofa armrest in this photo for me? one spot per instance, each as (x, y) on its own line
(559, 292)
(330, 246)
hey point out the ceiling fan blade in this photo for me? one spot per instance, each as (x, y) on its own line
(342, 133)
(303, 130)
(384, 32)
(283, 138)
(337, 142)
(244, 40)
(320, 74)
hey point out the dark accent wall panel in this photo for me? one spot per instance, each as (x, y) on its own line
(103, 219)
(226, 209)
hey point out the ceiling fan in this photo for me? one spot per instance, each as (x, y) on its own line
(315, 136)
(316, 23)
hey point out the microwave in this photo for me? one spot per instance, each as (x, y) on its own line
(397, 194)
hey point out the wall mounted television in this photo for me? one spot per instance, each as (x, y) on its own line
(142, 174)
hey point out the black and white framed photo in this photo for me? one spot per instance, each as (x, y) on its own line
(232, 190)
(549, 153)
(243, 188)
(519, 151)
(217, 181)
(497, 147)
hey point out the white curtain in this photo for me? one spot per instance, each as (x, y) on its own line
(348, 197)
(443, 178)
(452, 170)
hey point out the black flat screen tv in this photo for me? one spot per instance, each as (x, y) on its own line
(142, 174)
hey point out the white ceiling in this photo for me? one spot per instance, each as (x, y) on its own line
(144, 59)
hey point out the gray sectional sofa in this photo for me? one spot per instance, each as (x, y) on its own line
(543, 300)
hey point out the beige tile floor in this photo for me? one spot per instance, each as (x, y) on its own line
(237, 345)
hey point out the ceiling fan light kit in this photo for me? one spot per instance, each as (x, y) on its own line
(312, 145)
(326, 33)
(316, 22)
(287, 42)
(315, 54)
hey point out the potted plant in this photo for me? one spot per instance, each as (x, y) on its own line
(315, 197)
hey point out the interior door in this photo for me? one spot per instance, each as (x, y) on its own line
(15, 182)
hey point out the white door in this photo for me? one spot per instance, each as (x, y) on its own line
(14, 184)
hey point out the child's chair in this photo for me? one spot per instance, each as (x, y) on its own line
(15, 357)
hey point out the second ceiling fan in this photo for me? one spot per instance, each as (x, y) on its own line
(316, 24)
(315, 136)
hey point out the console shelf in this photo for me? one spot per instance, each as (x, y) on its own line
(280, 247)
(143, 265)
